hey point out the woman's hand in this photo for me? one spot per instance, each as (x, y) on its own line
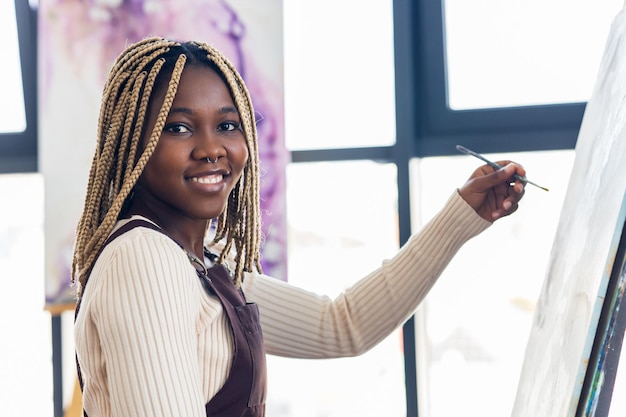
(494, 193)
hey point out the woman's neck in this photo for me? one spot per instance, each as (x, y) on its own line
(190, 233)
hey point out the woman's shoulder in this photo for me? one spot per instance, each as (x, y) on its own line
(144, 262)
(140, 250)
(141, 236)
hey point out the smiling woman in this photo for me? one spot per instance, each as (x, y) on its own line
(177, 153)
(174, 314)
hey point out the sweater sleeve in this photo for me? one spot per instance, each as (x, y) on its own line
(298, 323)
(144, 306)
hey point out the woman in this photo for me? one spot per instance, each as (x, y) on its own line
(167, 327)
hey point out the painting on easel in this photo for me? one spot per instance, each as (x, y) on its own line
(599, 383)
(584, 249)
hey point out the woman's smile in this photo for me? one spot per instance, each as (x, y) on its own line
(208, 179)
(209, 182)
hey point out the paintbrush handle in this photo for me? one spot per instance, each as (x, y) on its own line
(492, 164)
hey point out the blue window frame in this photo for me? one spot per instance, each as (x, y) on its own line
(434, 128)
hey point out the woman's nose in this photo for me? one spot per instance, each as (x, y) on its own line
(209, 146)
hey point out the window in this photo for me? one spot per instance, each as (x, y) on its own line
(438, 115)
(12, 112)
(505, 53)
(339, 74)
(339, 118)
(25, 351)
(474, 325)
(472, 88)
(18, 104)
(339, 230)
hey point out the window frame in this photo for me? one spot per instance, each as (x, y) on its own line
(439, 128)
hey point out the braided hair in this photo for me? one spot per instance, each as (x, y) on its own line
(118, 161)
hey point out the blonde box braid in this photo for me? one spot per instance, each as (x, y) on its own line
(115, 168)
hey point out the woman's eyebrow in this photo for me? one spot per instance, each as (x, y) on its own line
(227, 110)
(184, 110)
(187, 110)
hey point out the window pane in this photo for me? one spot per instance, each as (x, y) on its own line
(476, 321)
(515, 53)
(339, 74)
(25, 349)
(342, 224)
(12, 115)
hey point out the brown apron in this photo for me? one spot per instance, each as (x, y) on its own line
(243, 393)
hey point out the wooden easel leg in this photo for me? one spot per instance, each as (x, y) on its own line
(76, 407)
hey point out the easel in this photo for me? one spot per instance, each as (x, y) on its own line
(75, 408)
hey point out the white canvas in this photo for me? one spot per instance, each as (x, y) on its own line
(583, 251)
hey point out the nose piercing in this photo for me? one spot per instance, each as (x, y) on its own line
(210, 161)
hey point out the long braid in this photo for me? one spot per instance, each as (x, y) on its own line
(104, 198)
(112, 213)
(116, 168)
(239, 224)
(125, 146)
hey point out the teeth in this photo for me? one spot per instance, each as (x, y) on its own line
(213, 179)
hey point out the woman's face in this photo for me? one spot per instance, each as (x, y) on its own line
(178, 180)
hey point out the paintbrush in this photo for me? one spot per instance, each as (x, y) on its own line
(496, 166)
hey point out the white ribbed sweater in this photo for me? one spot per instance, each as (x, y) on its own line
(151, 342)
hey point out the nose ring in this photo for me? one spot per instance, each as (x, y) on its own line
(210, 161)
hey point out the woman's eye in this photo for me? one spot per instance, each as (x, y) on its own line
(229, 126)
(176, 128)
